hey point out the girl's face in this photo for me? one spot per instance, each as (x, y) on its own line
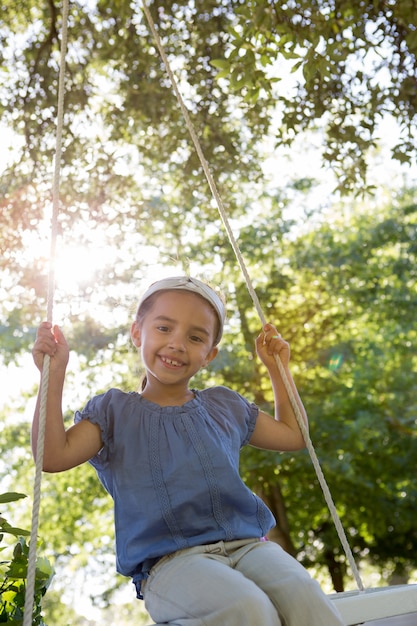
(176, 337)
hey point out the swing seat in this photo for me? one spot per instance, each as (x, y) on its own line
(358, 607)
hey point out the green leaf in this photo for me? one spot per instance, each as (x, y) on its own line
(11, 530)
(11, 497)
(221, 64)
(223, 74)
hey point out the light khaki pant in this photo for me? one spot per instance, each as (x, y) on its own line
(236, 583)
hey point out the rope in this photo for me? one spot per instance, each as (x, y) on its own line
(219, 202)
(31, 573)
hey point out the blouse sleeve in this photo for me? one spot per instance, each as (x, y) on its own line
(99, 410)
(233, 411)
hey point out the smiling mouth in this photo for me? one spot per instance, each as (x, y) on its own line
(171, 362)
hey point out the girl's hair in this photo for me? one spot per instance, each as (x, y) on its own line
(143, 309)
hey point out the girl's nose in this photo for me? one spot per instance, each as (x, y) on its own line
(177, 342)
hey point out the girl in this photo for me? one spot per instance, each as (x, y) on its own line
(188, 531)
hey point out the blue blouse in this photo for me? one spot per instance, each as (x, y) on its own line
(173, 473)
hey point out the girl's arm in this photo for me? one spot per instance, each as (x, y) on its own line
(63, 449)
(282, 432)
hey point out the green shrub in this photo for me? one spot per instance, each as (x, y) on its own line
(13, 573)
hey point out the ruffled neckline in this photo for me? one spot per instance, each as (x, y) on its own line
(171, 409)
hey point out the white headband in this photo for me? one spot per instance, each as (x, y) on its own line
(194, 285)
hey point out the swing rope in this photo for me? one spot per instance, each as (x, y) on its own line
(220, 205)
(31, 572)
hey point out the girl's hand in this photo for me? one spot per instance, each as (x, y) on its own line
(270, 343)
(50, 340)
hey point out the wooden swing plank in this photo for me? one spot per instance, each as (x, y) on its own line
(410, 619)
(357, 607)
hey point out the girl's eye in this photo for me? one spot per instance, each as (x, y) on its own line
(163, 329)
(195, 338)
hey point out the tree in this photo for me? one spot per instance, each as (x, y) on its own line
(353, 64)
(349, 285)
